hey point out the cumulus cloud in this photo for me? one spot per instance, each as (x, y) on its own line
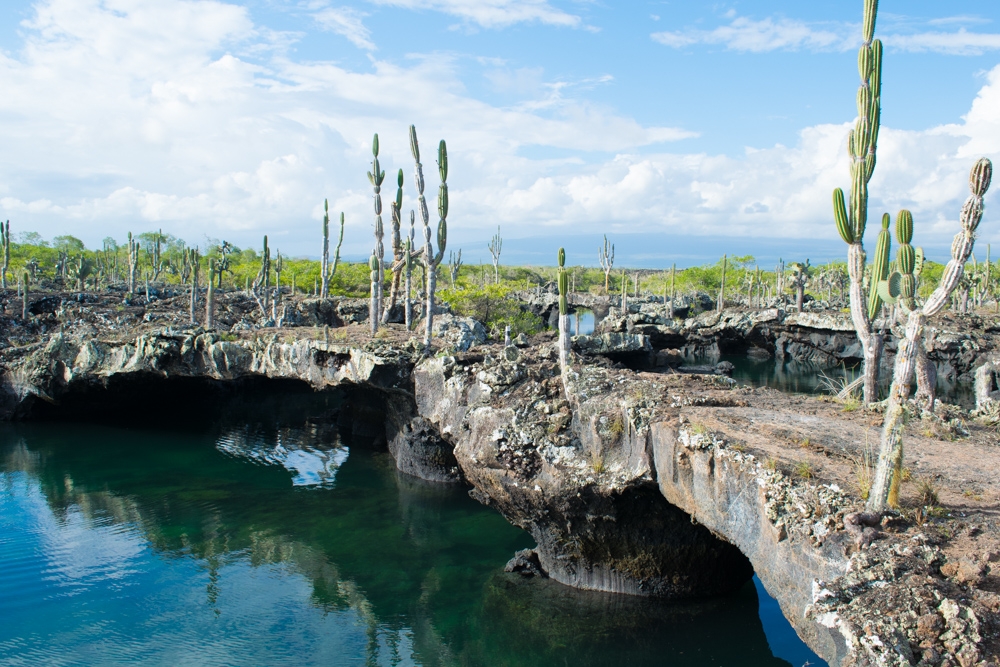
(111, 127)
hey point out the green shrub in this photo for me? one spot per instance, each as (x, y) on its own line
(493, 305)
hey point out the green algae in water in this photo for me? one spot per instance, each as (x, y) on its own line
(264, 543)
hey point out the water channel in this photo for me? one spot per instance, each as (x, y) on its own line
(273, 539)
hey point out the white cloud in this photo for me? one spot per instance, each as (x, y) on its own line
(774, 34)
(104, 133)
(494, 13)
(744, 34)
(961, 43)
(346, 21)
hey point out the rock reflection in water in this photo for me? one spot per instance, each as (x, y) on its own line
(313, 454)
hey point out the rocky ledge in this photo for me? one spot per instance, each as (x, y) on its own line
(641, 483)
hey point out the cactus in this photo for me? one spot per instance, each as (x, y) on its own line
(210, 296)
(564, 342)
(262, 283)
(495, 244)
(373, 266)
(673, 276)
(80, 270)
(454, 264)
(909, 349)
(327, 271)
(799, 279)
(409, 254)
(399, 260)
(881, 268)
(133, 262)
(279, 266)
(194, 281)
(324, 269)
(153, 257)
(431, 260)
(851, 222)
(23, 282)
(376, 176)
(5, 248)
(606, 256)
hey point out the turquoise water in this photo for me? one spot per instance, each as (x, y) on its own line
(280, 543)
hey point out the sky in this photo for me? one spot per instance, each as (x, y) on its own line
(683, 131)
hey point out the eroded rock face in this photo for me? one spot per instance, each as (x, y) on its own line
(819, 338)
(580, 481)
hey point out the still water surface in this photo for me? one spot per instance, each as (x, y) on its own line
(278, 544)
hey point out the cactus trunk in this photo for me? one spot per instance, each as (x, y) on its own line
(210, 297)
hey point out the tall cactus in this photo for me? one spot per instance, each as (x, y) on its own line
(133, 262)
(262, 283)
(5, 243)
(673, 276)
(564, 342)
(454, 264)
(606, 256)
(861, 143)
(798, 280)
(376, 176)
(373, 274)
(398, 260)
(496, 243)
(24, 280)
(409, 254)
(899, 287)
(194, 281)
(891, 446)
(431, 260)
(210, 296)
(324, 270)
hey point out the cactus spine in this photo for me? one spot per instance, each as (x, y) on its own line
(376, 176)
(891, 446)
(861, 143)
(5, 242)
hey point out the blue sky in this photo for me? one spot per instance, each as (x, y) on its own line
(682, 130)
